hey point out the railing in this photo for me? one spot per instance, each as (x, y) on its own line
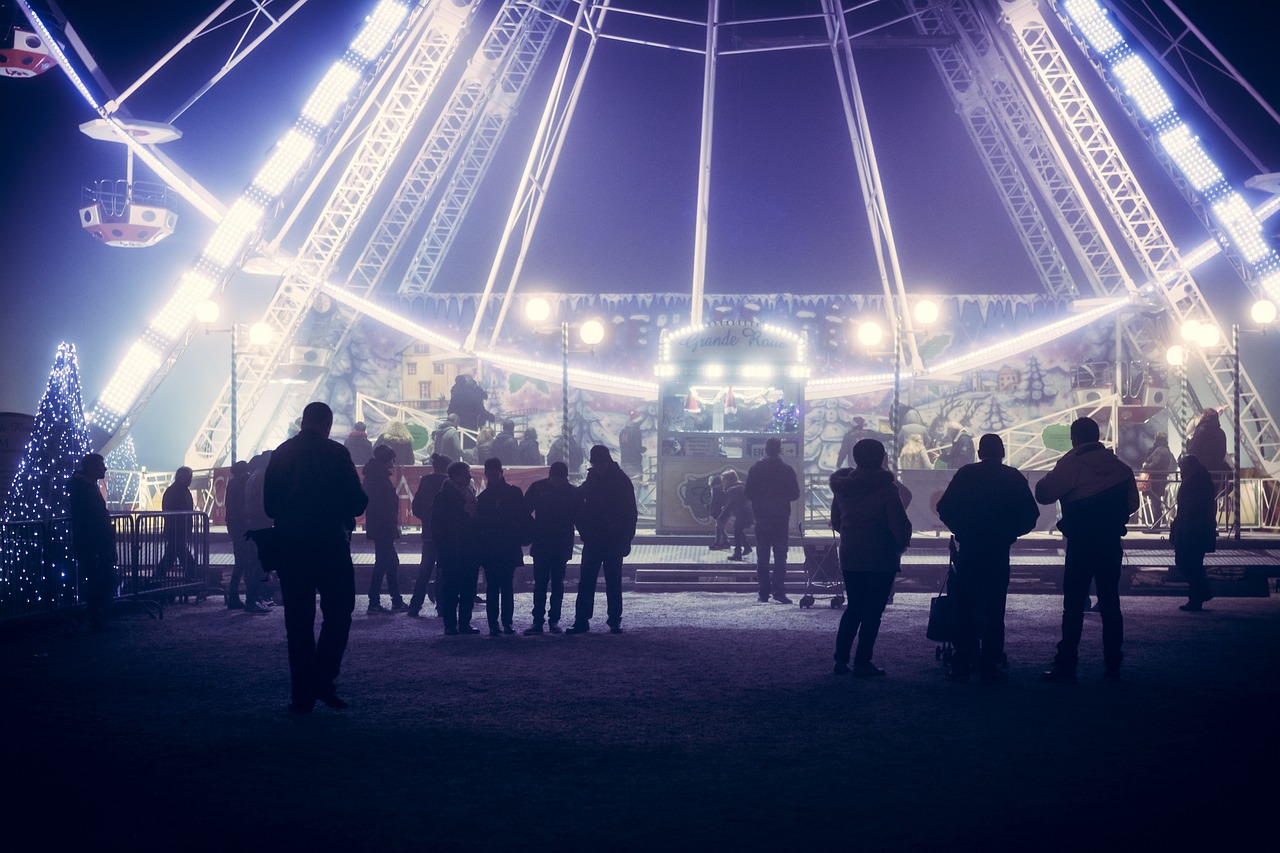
(159, 555)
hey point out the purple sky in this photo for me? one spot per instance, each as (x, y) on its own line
(785, 209)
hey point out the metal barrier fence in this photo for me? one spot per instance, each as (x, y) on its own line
(158, 555)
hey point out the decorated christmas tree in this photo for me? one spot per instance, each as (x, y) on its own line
(58, 440)
(122, 474)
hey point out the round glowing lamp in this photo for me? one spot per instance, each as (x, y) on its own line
(1190, 330)
(870, 333)
(207, 311)
(537, 309)
(1263, 312)
(592, 332)
(926, 312)
(261, 334)
(1209, 335)
(1175, 355)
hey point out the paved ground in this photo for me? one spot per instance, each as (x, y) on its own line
(712, 723)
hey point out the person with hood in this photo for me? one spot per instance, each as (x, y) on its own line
(738, 510)
(771, 486)
(1208, 442)
(961, 452)
(505, 527)
(313, 492)
(397, 437)
(446, 440)
(1194, 531)
(1097, 493)
(529, 452)
(606, 522)
(455, 529)
(506, 446)
(715, 487)
(866, 508)
(358, 445)
(987, 506)
(1156, 467)
(466, 400)
(423, 500)
(382, 526)
(553, 502)
(570, 454)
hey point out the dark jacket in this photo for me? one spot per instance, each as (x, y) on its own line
(529, 452)
(382, 516)
(403, 449)
(1159, 463)
(359, 446)
(424, 499)
(312, 490)
(717, 500)
(771, 486)
(505, 525)
(961, 452)
(736, 507)
(234, 505)
(631, 444)
(607, 509)
(506, 448)
(988, 503)
(1098, 492)
(455, 531)
(177, 498)
(1209, 444)
(92, 536)
(1195, 527)
(572, 457)
(867, 510)
(554, 505)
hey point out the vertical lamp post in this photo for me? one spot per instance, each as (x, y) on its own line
(591, 332)
(260, 334)
(870, 334)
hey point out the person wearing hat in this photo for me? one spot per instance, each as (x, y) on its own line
(987, 506)
(382, 526)
(606, 523)
(505, 527)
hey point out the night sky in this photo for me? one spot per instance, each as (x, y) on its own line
(785, 212)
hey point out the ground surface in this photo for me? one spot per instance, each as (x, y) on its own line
(712, 723)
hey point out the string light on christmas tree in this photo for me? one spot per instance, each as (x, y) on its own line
(786, 417)
(122, 474)
(58, 441)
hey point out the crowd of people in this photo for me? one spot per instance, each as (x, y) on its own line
(293, 511)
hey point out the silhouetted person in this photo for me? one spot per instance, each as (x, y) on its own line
(866, 507)
(446, 440)
(607, 523)
(1194, 531)
(397, 437)
(1098, 493)
(529, 452)
(857, 432)
(505, 445)
(631, 446)
(455, 529)
(505, 526)
(1156, 466)
(423, 500)
(382, 526)
(255, 518)
(177, 529)
(1208, 443)
(961, 452)
(737, 509)
(466, 400)
(358, 445)
(987, 505)
(569, 453)
(553, 502)
(246, 565)
(313, 492)
(771, 486)
(93, 539)
(715, 485)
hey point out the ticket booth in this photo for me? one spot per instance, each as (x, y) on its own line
(725, 389)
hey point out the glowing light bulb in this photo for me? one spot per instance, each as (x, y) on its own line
(870, 333)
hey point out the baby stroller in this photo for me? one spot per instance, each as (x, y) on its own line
(942, 612)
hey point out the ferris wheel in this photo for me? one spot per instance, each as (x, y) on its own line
(1023, 77)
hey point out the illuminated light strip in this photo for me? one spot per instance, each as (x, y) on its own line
(1242, 227)
(379, 27)
(177, 312)
(139, 365)
(664, 354)
(290, 153)
(391, 318)
(233, 233)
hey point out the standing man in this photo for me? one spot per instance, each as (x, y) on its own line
(423, 500)
(456, 531)
(505, 527)
(553, 503)
(1156, 466)
(771, 487)
(631, 446)
(607, 523)
(93, 539)
(1098, 493)
(177, 498)
(313, 492)
(1194, 531)
(987, 505)
(382, 526)
(244, 551)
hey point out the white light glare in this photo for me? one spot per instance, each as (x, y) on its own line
(232, 235)
(1190, 330)
(870, 333)
(1185, 150)
(1175, 355)
(592, 332)
(1234, 215)
(713, 371)
(1141, 85)
(177, 312)
(1094, 24)
(537, 309)
(1209, 335)
(1263, 312)
(334, 90)
(207, 311)
(139, 365)
(290, 153)
(378, 29)
(926, 312)
(261, 334)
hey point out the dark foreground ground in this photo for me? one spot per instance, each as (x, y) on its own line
(712, 723)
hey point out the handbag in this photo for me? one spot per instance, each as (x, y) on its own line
(942, 607)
